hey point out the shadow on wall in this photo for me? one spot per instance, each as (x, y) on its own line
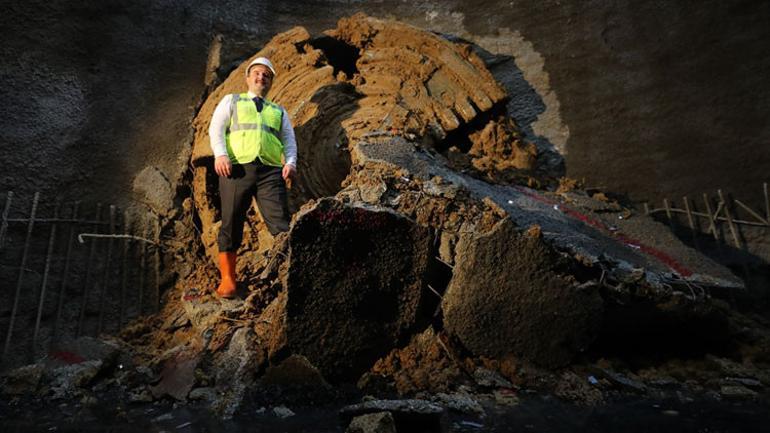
(524, 106)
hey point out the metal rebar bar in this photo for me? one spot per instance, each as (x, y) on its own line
(730, 220)
(44, 284)
(124, 271)
(156, 299)
(6, 210)
(750, 211)
(106, 273)
(87, 285)
(142, 268)
(712, 227)
(20, 279)
(767, 203)
(65, 274)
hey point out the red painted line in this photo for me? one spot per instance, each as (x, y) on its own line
(68, 357)
(662, 257)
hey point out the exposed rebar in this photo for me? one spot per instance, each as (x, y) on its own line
(20, 280)
(65, 274)
(44, 284)
(106, 273)
(6, 210)
(87, 285)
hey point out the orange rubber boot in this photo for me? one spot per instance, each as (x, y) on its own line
(226, 288)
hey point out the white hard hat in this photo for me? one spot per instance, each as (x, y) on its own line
(261, 61)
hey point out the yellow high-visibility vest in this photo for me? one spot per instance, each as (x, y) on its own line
(253, 134)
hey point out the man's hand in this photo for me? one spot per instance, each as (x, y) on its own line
(289, 173)
(223, 166)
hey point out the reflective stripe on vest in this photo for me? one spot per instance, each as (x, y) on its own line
(253, 134)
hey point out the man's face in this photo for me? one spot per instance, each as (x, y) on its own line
(259, 80)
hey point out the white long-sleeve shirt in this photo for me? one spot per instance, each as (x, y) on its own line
(221, 119)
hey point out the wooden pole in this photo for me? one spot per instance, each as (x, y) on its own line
(750, 211)
(712, 227)
(667, 206)
(767, 203)
(690, 221)
(729, 219)
(20, 280)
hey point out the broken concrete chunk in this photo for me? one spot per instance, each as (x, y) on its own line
(408, 415)
(67, 381)
(154, 189)
(83, 349)
(504, 277)
(459, 402)
(201, 314)
(283, 412)
(737, 392)
(379, 422)
(490, 379)
(23, 380)
(206, 394)
(178, 375)
(294, 370)
(355, 284)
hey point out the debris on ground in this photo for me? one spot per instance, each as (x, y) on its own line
(428, 255)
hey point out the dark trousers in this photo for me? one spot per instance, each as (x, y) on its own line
(236, 191)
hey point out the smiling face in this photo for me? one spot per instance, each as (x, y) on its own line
(259, 79)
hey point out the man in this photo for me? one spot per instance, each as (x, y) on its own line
(255, 153)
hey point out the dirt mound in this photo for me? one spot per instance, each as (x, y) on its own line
(364, 80)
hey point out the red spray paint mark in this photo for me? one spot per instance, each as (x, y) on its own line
(68, 357)
(662, 257)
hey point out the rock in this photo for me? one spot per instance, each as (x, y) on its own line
(206, 394)
(429, 416)
(736, 392)
(178, 375)
(283, 412)
(745, 381)
(623, 381)
(355, 285)
(490, 379)
(83, 349)
(67, 381)
(506, 397)
(294, 370)
(505, 277)
(23, 380)
(236, 369)
(140, 395)
(154, 189)
(201, 314)
(459, 402)
(378, 422)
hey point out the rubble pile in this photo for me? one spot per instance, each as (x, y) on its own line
(428, 253)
